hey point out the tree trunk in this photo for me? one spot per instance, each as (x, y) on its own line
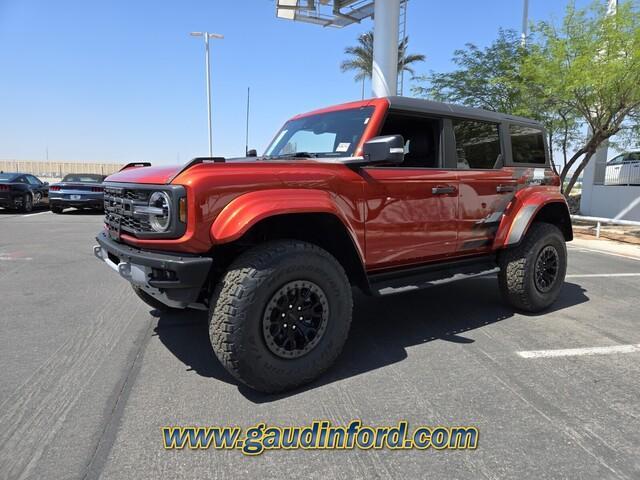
(569, 164)
(576, 174)
(553, 165)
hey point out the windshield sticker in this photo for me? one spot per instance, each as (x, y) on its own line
(343, 147)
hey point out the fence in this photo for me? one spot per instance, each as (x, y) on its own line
(608, 221)
(627, 173)
(58, 169)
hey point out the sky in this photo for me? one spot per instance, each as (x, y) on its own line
(122, 80)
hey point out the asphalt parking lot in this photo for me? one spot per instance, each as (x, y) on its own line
(90, 374)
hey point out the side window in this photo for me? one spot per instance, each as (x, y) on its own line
(22, 179)
(477, 144)
(421, 138)
(616, 161)
(527, 145)
(632, 157)
(33, 180)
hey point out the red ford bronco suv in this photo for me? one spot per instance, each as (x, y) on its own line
(388, 195)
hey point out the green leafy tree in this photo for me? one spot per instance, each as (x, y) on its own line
(590, 66)
(580, 78)
(361, 58)
(486, 78)
(491, 78)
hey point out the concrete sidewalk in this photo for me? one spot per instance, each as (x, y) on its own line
(607, 246)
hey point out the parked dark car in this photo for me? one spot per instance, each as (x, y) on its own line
(22, 191)
(79, 190)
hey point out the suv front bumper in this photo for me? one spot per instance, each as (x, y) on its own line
(175, 280)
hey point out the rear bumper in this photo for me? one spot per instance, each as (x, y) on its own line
(81, 200)
(8, 200)
(88, 203)
(175, 280)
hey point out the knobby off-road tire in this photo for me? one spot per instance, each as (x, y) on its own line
(152, 302)
(528, 279)
(245, 307)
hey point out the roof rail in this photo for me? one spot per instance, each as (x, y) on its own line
(197, 161)
(135, 165)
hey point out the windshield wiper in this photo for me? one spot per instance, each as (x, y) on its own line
(295, 155)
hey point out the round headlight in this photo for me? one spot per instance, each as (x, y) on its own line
(160, 222)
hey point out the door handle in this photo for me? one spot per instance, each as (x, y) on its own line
(443, 189)
(505, 188)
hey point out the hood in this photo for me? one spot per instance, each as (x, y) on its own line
(161, 174)
(155, 175)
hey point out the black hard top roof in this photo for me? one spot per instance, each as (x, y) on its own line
(438, 108)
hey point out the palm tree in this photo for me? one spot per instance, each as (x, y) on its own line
(361, 60)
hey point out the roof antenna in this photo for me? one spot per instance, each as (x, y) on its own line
(246, 137)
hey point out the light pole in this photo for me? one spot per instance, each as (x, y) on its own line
(384, 71)
(525, 23)
(207, 36)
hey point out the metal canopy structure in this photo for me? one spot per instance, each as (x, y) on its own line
(341, 13)
(327, 13)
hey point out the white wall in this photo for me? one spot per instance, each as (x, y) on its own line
(610, 200)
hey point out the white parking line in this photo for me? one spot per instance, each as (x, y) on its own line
(8, 258)
(591, 250)
(571, 352)
(33, 214)
(595, 275)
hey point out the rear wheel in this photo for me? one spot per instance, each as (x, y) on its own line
(280, 315)
(56, 209)
(532, 274)
(27, 203)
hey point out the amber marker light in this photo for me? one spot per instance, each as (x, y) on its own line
(182, 210)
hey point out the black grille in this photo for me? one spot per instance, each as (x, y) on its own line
(118, 207)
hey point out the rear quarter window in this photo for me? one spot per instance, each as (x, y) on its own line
(527, 145)
(477, 144)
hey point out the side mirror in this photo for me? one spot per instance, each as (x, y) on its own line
(388, 149)
(46, 184)
(252, 153)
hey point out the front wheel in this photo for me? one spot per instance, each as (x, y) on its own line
(532, 274)
(280, 315)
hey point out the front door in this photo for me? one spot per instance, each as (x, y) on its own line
(410, 215)
(411, 207)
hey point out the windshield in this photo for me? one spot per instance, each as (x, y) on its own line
(7, 177)
(83, 178)
(325, 135)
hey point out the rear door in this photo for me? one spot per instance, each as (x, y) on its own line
(411, 208)
(486, 188)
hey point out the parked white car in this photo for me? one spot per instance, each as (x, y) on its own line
(623, 169)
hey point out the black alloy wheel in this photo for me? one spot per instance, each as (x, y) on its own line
(295, 319)
(546, 270)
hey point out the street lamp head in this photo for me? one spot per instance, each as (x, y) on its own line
(206, 34)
